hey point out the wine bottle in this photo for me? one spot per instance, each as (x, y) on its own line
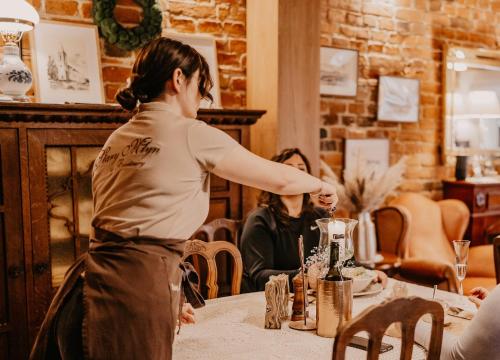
(333, 272)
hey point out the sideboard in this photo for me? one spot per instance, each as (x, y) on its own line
(46, 157)
(483, 201)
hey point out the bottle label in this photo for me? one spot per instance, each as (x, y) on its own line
(340, 240)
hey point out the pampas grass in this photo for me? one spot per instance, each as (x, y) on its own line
(365, 187)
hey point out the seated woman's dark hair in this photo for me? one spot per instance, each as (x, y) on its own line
(155, 65)
(273, 201)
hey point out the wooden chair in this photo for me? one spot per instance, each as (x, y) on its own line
(391, 225)
(496, 256)
(209, 250)
(209, 230)
(376, 319)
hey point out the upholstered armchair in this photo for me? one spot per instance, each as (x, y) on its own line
(419, 232)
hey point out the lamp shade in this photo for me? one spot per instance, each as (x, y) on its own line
(17, 16)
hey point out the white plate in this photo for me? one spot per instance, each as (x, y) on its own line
(373, 289)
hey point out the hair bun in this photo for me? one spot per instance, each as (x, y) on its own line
(127, 98)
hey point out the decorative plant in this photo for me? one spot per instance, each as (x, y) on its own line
(365, 187)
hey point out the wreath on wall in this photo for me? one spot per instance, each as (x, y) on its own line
(127, 38)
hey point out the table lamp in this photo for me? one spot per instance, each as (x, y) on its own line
(16, 18)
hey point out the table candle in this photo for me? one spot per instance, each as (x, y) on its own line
(336, 232)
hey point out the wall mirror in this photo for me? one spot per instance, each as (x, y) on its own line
(471, 102)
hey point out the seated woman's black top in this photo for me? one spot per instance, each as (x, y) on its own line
(269, 247)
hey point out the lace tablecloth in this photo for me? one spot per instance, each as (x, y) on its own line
(233, 328)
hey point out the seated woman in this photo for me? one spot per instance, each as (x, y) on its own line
(269, 239)
(480, 339)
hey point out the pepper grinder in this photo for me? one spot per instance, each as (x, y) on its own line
(298, 299)
(299, 307)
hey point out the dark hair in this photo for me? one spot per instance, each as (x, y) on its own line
(155, 65)
(273, 201)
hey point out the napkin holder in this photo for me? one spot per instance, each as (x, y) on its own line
(277, 293)
(333, 306)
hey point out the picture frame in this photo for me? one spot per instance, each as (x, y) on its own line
(66, 63)
(338, 71)
(205, 45)
(370, 152)
(398, 99)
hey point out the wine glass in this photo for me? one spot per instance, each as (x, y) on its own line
(461, 248)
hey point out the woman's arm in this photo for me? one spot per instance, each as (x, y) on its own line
(242, 166)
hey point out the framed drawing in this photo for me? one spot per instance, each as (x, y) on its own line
(66, 63)
(369, 152)
(338, 71)
(205, 45)
(398, 99)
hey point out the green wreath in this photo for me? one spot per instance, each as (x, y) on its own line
(127, 39)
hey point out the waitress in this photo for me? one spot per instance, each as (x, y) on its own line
(151, 185)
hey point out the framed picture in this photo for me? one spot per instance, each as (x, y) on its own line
(398, 99)
(368, 152)
(338, 71)
(66, 63)
(205, 45)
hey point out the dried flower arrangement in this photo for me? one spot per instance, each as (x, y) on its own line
(365, 187)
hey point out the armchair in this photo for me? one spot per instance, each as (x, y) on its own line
(426, 251)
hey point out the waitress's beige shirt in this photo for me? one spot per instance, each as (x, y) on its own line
(151, 178)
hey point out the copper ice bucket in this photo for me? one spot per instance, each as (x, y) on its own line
(333, 306)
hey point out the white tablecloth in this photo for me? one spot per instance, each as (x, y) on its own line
(233, 328)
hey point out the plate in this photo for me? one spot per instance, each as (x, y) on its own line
(373, 289)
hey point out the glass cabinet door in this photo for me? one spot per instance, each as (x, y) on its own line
(61, 205)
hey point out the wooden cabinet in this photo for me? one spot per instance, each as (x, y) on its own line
(46, 157)
(483, 201)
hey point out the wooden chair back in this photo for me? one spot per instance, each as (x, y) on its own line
(376, 319)
(391, 226)
(496, 256)
(209, 251)
(209, 230)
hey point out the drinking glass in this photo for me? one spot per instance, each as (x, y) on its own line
(461, 248)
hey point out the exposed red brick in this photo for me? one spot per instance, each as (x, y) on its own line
(116, 74)
(194, 11)
(235, 29)
(183, 25)
(61, 7)
(213, 27)
(231, 100)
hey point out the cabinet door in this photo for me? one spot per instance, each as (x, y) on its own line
(13, 323)
(61, 206)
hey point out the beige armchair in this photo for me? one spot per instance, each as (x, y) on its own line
(425, 249)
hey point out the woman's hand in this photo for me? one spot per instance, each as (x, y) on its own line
(187, 314)
(477, 295)
(381, 278)
(327, 196)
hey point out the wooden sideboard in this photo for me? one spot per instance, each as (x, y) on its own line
(483, 201)
(46, 157)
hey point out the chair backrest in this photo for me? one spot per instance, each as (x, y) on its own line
(430, 228)
(209, 251)
(376, 319)
(391, 225)
(209, 230)
(496, 255)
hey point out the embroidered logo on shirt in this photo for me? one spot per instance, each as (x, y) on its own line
(134, 154)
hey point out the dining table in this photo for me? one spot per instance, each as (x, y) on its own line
(233, 328)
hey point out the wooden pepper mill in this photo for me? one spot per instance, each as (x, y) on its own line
(298, 299)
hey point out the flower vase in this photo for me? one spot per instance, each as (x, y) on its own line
(365, 239)
(370, 238)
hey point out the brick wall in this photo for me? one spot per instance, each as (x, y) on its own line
(400, 37)
(404, 38)
(224, 19)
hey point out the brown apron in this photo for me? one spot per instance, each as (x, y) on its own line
(131, 296)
